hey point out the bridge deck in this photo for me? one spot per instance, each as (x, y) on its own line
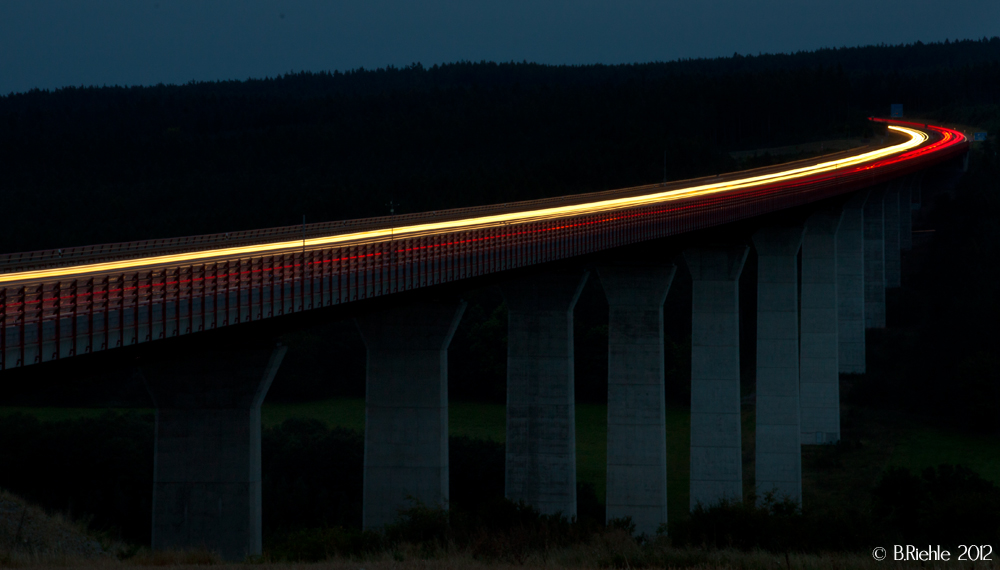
(59, 303)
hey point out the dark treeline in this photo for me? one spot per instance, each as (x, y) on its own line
(100, 164)
(907, 58)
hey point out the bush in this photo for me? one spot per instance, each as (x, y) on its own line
(623, 524)
(505, 531)
(96, 469)
(311, 476)
(947, 505)
(477, 472)
(316, 544)
(426, 526)
(770, 524)
(776, 526)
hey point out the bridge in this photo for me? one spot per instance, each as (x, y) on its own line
(57, 304)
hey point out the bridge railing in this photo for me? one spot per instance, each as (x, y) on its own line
(50, 320)
(22, 261)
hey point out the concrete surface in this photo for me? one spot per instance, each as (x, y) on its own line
(906, 213)
(891, 213)
(874, 259)
(541, 430)
(206, 468)
(778, 449)
(716, 457)
(406, 408)
(851, 286)
(637, 446)
(819, 383)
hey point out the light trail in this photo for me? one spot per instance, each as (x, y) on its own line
(916, 138)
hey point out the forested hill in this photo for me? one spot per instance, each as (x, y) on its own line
(100, 164)
(906, 58)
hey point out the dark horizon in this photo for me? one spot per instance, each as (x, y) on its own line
(870, 57)
(48, 45)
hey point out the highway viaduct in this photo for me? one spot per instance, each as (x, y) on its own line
(847, 216)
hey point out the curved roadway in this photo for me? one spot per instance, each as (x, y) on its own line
(917, 141)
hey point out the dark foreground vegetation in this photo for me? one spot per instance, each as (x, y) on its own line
(111, 164)
(99, 471)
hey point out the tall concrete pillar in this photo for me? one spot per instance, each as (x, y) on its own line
(637, 446)
(891, 213)
(819, 384)
(778, 451)
(541, 418)
(906, 213)
(206, 466)
(874, 260)
(716, 457)
(851, 286)
(406, 408)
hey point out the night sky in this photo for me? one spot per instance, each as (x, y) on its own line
(54, 43)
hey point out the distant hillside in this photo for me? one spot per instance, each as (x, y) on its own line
(100, 164)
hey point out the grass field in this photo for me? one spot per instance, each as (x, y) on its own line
(876, 441)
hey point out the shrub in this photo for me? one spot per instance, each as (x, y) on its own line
(769, 524)
(316, 544)
(949, 504)
(422, 525)
(623, 524)
(312, 476)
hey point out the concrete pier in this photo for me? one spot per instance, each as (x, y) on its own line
(851, 286)
(819, 370)
(637, 446)
(778, 447)
(891, 213)
(541, 418)
(406, 408)
(716, 458)
(874, 260)
(906, 213)
(206, 467)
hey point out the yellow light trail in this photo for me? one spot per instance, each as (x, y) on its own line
(916, 139)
